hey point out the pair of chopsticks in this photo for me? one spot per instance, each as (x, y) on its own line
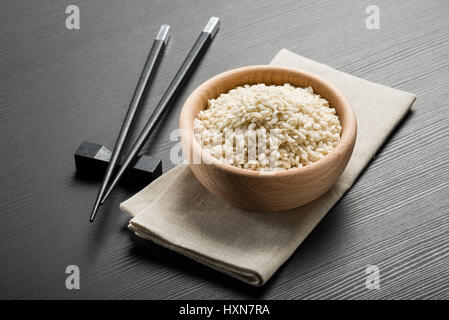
(164, 104)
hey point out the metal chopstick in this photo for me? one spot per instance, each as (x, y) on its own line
(169, 96)
(152, 62)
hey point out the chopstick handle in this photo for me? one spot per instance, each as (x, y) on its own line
(153, 59)
(169, 96)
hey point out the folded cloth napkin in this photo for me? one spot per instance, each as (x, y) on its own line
(177, 212)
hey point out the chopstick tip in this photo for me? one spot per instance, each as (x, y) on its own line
(94, 212)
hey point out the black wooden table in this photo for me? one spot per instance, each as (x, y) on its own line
(59, 87)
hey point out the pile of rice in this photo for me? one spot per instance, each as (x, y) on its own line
(300, 127)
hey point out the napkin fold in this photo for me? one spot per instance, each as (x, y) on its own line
(177, 212)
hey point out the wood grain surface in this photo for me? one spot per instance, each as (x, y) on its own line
(60, 87)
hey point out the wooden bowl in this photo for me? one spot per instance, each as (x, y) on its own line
(273, 190)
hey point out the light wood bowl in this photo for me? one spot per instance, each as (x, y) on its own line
(267, 191)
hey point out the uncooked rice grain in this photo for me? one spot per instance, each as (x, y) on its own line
(300, 127)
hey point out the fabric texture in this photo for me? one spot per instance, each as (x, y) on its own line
(177, 212)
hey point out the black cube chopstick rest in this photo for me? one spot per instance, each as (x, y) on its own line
(91, 160)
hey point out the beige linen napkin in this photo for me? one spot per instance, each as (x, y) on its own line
(177, 212)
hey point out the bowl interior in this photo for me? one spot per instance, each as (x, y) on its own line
(270, 75)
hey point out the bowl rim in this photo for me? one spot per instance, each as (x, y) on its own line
(347, 139)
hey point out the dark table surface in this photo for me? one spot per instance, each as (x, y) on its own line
(60, 87)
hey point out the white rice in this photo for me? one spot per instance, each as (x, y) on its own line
(268, 128)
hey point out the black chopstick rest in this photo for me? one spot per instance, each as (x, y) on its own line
(151, 64)
(92, 159)
(186, 69)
